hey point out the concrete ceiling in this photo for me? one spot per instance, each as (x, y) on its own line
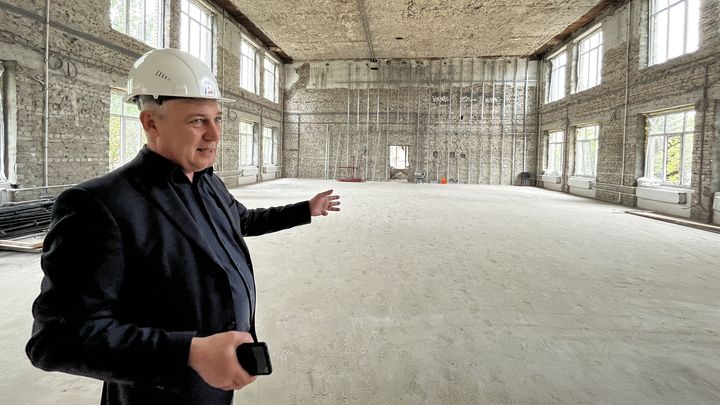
(335, 29)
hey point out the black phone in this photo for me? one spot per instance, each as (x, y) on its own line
(254, 358)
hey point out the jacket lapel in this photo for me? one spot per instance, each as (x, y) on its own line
(217, 194)
(166, 200)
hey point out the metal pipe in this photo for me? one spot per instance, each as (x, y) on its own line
(715, 161)
(367, 131)
(704, 104)
(46, 117)
(539, 117)
(366, 28)
(525, 112)
(514, 117)
(16, 190)
(492, 119)
(627, 95)
(480, 124)
(387, 139)
(417, 131)
(461, 124)
(471, 135)
(502, 123)
(326, 165)
(9, 108)
(347, 125)
(298, 147)
(449, 121)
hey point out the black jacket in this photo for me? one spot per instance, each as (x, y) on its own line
(128, 283)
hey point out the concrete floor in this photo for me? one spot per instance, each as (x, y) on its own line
(453, 294)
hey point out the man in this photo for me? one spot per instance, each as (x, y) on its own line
(148, 283)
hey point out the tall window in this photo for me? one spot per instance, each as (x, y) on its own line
(141, 19)
(556, 88)
(248, 144)
(670, 147)
(589, 65)
(248, 66)
(126, 135)
(674, 28)
(270, 79)
(196, 31)
(399, 157)
(556, 144)
(586, 150)
(270, 147)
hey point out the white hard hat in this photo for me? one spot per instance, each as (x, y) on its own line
(172, 73)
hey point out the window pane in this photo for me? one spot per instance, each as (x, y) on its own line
(656, 158)
(657, 125)
(660, 4)
(674, 123)
(672, 173)
(184, 33)
(687, 159)
(676, 32)
(117, 15)
(133, 134)
(114, 145)
(130, 110)
(659, 35)
(690, 121)
(116, 103)
(136, 19)
(693, 26)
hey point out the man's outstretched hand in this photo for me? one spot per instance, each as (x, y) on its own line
(323, 203)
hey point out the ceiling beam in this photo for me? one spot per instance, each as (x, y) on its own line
(253, 30)
(366, 28)
(594, 12)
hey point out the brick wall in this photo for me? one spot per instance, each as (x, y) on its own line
(689, 80)
(464, 119)
(87, 58)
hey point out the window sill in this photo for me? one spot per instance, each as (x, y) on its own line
(551, 178)
(248, 171)
(672, 195)
(581, 182)
(271, 169)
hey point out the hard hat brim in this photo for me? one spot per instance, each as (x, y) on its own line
(130, 99)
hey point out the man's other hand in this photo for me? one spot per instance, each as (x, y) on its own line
(323, 203)
(214, 358)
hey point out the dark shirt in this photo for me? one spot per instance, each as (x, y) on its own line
(215, 228)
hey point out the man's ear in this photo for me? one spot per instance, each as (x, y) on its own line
(149, 123)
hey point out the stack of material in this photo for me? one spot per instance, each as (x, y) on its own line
(22, 220)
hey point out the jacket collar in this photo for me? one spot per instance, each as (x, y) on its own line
(151, 174)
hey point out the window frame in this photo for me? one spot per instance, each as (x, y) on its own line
(126, 24)
(579, 155)
(272, 150)
(275, 77)
(585, 38)
(652, 15)
(406, 159)
(254, 148)
(255, 66)
(683, 142)
(555, 170)
(124, 117)
(208, 29)
(561, 88)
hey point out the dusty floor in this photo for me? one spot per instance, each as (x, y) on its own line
(449, 294)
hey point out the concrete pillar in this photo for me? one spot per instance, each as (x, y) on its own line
(9, 157)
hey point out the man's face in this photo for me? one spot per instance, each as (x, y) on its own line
(187, 132)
